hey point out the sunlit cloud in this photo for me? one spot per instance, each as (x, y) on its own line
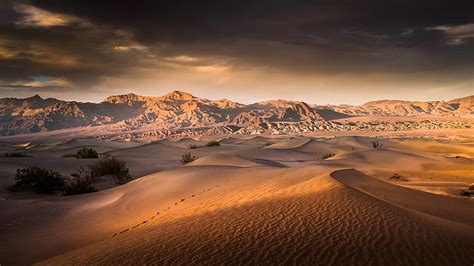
(212, 68)
(457, 34)
(184, 59)
(128, 48)
(36, 17)
(41, 81)
(6, 52)
(38, 83)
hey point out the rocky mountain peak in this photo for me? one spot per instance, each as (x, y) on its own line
(179, 110)
(177, 96)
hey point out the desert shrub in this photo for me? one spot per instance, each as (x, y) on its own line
(83, 153)
(327, 156)
(471, 186)
(465, 193)
(187, 158)
(16, 154)
(81, 183)
(213, 144)
(111, 166)
(192, 146)
(398, 177)
(38, 179)
(376, 144)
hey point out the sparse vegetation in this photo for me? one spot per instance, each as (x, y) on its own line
(86, 153)
(83, 153)
(326, 156)
(81, 183)
(192, 146)
(213, 143)
(45, 181)
(111, 166)
(187, 158)
(16, 154)
(38, 179)
(377, 145)
(398, 177)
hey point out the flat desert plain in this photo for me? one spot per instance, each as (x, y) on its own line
(332, 200)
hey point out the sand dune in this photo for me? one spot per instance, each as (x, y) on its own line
(385, 158)
(244, 203)
(290, 143)
(330, 225)
(436, 146)
(258, 140)
(449, 209)
(233, 160)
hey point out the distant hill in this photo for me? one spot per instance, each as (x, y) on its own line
(462, 107)
(180, 110)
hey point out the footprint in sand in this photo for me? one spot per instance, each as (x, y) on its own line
(158, 213)
(123, 231)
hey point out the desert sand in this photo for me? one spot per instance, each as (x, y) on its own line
(252, 200)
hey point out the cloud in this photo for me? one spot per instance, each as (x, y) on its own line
(184, 59)
(457, 34)
(102, 46)
(39, 82)
(37, 17)
(212, 68)
(128, 48)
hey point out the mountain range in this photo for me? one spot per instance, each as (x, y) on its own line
(181, 110)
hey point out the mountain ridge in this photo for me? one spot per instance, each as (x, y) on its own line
(179, 109)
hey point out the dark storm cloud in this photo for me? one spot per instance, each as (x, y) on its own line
(279, 32)
(266, 19)
(85, 41)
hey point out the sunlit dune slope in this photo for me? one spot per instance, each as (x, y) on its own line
(299, 218)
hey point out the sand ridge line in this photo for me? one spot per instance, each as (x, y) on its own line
(439, 207)
(158, 213)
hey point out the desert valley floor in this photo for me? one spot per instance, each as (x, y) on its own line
(252, 200)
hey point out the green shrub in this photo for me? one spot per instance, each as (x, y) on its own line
(327, 156)
(16, 154)
(38, 179)
(81, 183)
(187, 158)
(213, 144)
(192, 146)
(111, 166)
(83, 153)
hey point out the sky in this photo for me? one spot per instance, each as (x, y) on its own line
(328, 51)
